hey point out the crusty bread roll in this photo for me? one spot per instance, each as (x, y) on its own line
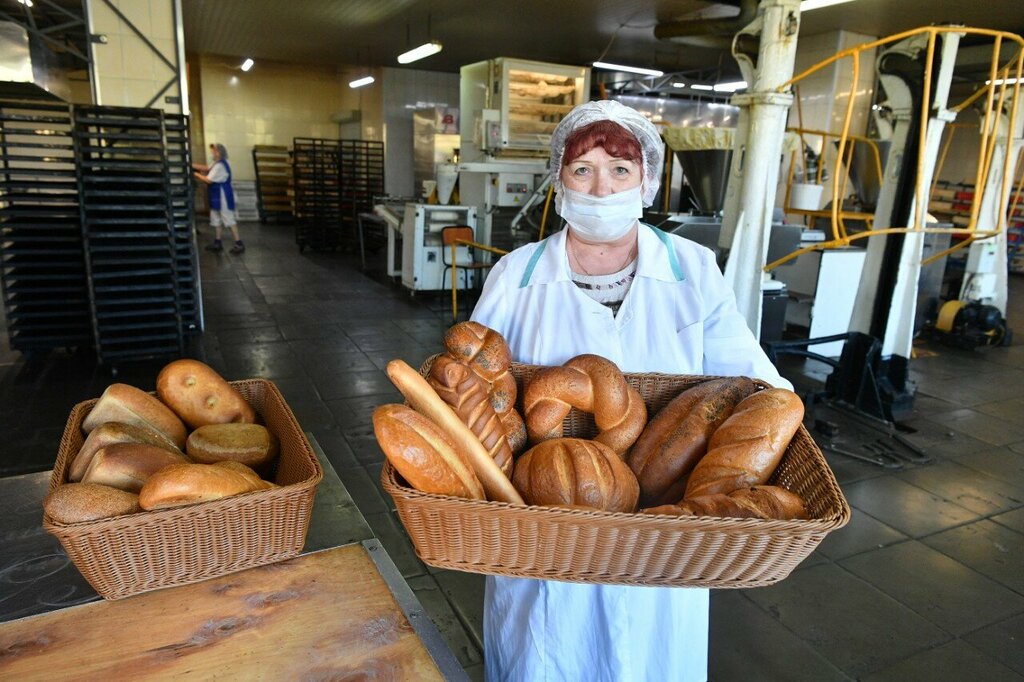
(190, 483)
(200, 396)
(592, 384)
(425, 400)
(576, 472)
(677, 437)
(251, 444)
(756, 502)
(747, 447)
(77, 502)
(467, 394)
(486, 353)
(127, 466)
(423, 453)
(109, 433)
(127, 404)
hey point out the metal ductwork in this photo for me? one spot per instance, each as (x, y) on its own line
(28, 68)
(715, 33)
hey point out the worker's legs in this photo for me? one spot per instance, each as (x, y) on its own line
(228, 217)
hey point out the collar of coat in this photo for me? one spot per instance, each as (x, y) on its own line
(657, 259)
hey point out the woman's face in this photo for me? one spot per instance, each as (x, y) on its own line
(599, 174)
(214, 153)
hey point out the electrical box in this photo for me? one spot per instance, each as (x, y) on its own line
(422, 258)
(512, 189)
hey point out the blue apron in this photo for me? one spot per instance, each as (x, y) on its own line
(216, 188)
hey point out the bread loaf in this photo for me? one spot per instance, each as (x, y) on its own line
(127, 404)
(757, 502)
(425, 400)
(467, 394)
(190, 483)
(592, 384)
(423, 453)
(127, 466)
(677, 437)
(251, 444)
(747, 447)
(77, 502)
(200, 396)
(515, 430)
(109, 433)
(573, 471)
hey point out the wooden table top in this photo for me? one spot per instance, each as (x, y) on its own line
(325, 615)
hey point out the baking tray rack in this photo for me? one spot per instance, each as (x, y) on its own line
(42, 266)
(179, 156)
(318, 210)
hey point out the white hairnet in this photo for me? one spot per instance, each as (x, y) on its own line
(651, 146)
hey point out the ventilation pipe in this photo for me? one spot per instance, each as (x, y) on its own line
(714, 33)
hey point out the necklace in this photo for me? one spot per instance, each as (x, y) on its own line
(630, 255)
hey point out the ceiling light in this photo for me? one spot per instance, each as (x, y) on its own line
(628, 69)
(1008, 81)
(677, 84)
(701, 86)
(360, 82)
(808, 5)
(27, 3)
(424, 50)
(732, 86)
(247, 64)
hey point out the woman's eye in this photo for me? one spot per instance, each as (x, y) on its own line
(621, 170)
(582, 170)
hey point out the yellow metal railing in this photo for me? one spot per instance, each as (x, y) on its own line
(1001, 88)
(456, 243)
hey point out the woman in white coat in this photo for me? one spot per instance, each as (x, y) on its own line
(651, 302)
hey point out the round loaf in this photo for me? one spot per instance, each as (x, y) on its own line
(129, 405)
(592, 384)
(251, 444)
(576, 472)
(424, 454)
(110, 433)
(77, 502)
(189, 483)
(747, 447)
(677, 437)
(127, 466)
(200, 396)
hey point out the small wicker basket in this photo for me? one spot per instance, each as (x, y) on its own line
(125, 555)
(624, 549)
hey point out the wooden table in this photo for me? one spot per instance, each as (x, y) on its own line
(325, 615)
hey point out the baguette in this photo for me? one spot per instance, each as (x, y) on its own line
(124, 403)
(423, 453)
(748, 446)
(677, 437)
(425, 400)
(466, 393)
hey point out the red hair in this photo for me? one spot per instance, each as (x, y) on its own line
(613, 138)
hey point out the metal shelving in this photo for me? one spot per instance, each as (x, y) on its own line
(274, 184)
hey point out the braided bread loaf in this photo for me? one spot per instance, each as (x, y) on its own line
(467, 394)
(592, 384)
(487, 354)
(755, 502)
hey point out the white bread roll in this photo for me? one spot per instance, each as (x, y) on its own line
(127, 466)
(110, 433)
(200, 396)
(251, 444)
(181, 484)
(77, 502)
(124, 403)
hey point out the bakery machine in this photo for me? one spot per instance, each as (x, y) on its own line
(423, 260)
(509, 109)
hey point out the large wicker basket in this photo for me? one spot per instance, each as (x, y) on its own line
(126, 555)
(628, 549)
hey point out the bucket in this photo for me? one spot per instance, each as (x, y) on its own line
(805, 196)
(447, 175)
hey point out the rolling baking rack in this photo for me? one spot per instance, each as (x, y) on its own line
(42, 267)
(361, 171)
(274, 185)
(186, 265)
(317, 193)
(126, 216)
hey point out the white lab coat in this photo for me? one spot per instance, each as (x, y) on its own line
(678, 317)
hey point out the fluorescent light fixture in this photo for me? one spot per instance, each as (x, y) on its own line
(417, 53)
(808, 5)
(27, 3)
(1000, 81)
(628, 69)
(732, 86)
(701, 86)
(247, 64)
(360, 82)
(677, 84)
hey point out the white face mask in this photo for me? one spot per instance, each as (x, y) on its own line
(602, 219)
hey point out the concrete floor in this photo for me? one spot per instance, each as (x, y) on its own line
(925, 583)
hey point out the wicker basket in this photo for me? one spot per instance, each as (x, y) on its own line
(625, 549)
(126, 555)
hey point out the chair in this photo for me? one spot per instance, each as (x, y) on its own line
(452, 237)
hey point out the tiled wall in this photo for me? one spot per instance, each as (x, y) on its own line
(127, 71)
(405, 90)
(275, 102)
